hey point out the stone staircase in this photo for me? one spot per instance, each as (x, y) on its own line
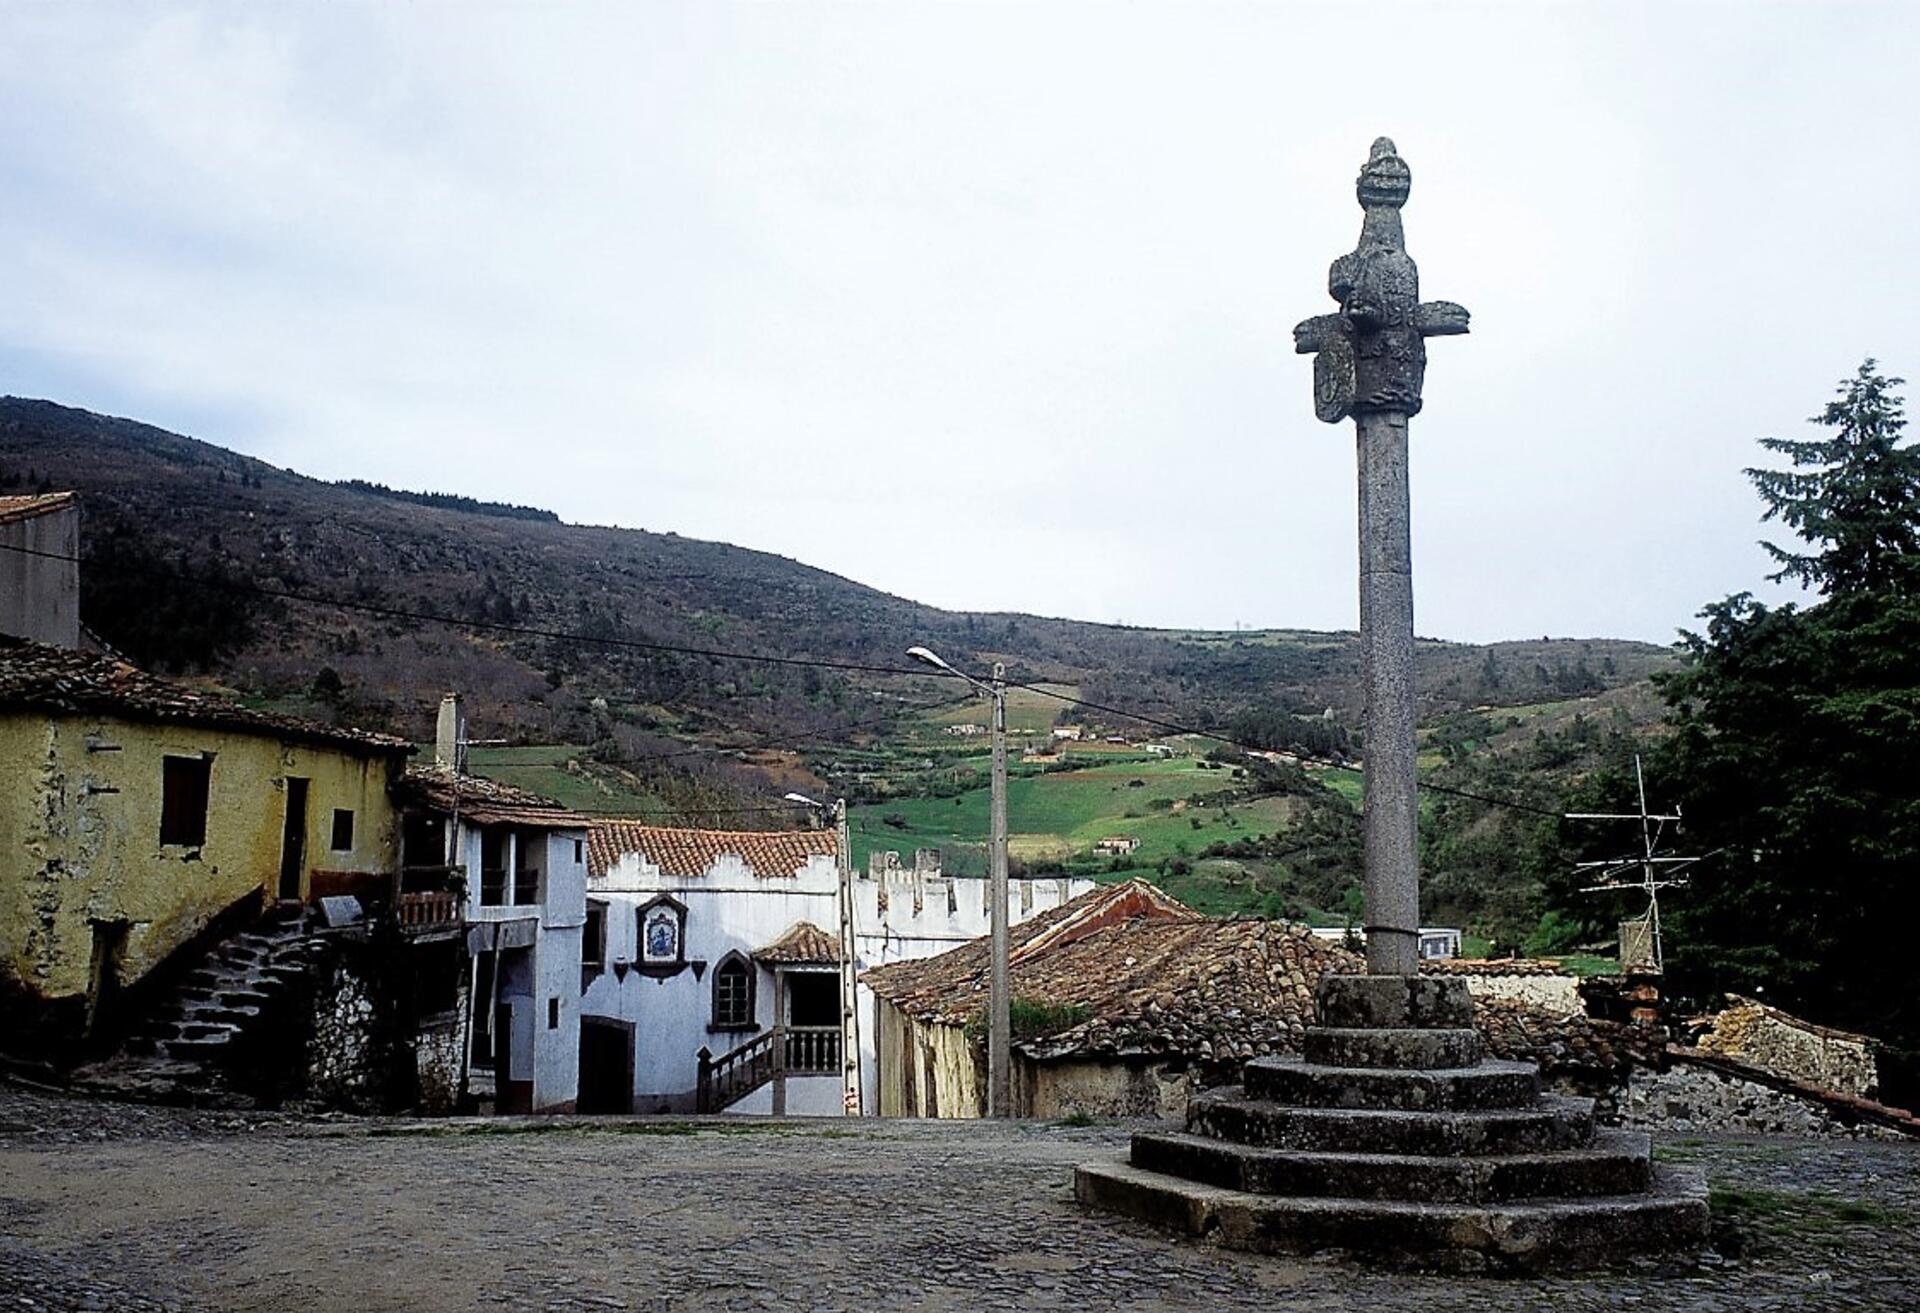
(204, 1042)
(1393, 1138)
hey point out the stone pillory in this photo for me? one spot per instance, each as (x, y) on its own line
(1392, 1135)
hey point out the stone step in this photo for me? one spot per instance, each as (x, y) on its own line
(205, 1048)
(1617, 1162)
(242, 998)
(1555, 1122)
(1463, 1237)
(1417, 1049)
(1393, 1002)
(1487, 1084)
(215, 1012)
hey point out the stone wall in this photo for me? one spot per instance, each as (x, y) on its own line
(1113, 1088)
(343, 1068)
(1774, 1041)
(1688, 1096)
(1557, 994)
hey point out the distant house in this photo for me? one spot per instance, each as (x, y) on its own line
(1437, 943)
(1067, 733)
(1159, 749)
(521, 861)
(1133, 1000)
(1117, 845)
(140, 819)
(726, 943)
(40, 568)
(967, 730)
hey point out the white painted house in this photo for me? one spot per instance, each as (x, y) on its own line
(514, 868)
(726, 942)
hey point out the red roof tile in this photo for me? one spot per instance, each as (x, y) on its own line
(17, 508)
(770, 854)
(35, 676)
(806, 943)
(484, 801)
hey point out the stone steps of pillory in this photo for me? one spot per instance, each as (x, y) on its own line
(1393, 1003)
(1516, 1237)
(1487, 1084)
(1616, 1162)
(1555, 1122)
(1412, 1048)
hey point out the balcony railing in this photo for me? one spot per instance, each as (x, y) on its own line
(421, 912)
(813, 1050)
(784, 1050)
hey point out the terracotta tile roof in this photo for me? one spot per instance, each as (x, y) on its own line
(770, 854)
(805, 943)
(1164, 981)
(484, 801)
(1567, 1046)
(35, 676)
(17, 508)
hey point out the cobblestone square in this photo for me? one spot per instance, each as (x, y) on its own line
(113, 1206)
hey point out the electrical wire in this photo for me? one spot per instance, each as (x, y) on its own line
(815, 663)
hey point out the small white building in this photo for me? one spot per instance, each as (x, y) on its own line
(522, 860)
(726, 943)
(1437, 943)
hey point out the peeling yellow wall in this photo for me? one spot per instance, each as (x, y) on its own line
(945, 1080)
(80, 836)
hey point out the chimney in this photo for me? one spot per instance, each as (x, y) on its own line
(450, 735)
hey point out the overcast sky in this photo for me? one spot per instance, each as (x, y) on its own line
(986, 306)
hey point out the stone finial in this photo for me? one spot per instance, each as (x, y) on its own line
(1371, 356)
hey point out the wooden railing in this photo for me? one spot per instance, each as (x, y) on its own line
(738, 1072)
(429, 911)
(784, 1050)
(813, 1050)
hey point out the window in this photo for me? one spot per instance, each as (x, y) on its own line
(593, 939)
(184, 786)
(733, 994)
(553, 1014)
(493, 868)
(579, 851)
(526, 872)
(342, 830)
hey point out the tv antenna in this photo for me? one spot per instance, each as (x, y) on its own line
(1654, 870)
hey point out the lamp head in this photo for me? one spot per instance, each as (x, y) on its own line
(928, 656)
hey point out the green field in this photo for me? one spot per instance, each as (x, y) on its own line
(562, 772)
(1029, 713)
(1064, 813)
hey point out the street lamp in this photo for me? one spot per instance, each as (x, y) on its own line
(849, 966)
(999, 1004)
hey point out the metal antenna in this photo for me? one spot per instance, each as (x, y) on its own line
(1656, 871)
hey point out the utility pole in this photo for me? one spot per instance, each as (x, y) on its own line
(999, 987)
(999, 990)
(849, 970)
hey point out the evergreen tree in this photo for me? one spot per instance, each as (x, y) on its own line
(1851, 495)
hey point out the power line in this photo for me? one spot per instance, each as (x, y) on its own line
(816, 663)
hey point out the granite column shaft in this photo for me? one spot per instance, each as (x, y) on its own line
(1389, 825)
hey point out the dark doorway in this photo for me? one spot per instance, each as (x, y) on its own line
(606, 1066)
(293, 839)
(813, 998)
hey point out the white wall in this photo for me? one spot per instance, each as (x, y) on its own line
(731, 909)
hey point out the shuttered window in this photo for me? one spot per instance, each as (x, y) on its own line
(184, 786)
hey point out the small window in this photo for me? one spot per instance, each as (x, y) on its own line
(733, 994)
(553, 1014)
(593, 939)
(579, 851)
(184, 786)
(342, 830)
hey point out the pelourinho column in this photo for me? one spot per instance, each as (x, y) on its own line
(1369, 363)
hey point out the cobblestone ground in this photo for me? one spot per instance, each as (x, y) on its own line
(108, 1206)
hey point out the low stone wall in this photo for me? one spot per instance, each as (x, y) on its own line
(342, 1069)
(1798, 1050)
(1552, 993)
(1689, 1096)
(1101, 1088)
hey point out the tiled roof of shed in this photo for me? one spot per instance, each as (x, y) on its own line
(485, 801)
(40, 677)
(806, 943)
(770, 854)
(1163, 980)
(26, 507)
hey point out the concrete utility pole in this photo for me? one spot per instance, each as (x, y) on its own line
(1370, 361)
(999, 991)
(999, 987)
(849, 969)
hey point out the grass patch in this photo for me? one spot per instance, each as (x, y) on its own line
(1078, 1119)
(1828, 1219)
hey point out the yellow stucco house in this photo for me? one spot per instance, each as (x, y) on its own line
(140, 816)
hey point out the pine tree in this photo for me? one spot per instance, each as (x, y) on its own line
(1854, 497)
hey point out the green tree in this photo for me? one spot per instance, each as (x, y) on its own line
(1796, 749)
(1852, 495)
